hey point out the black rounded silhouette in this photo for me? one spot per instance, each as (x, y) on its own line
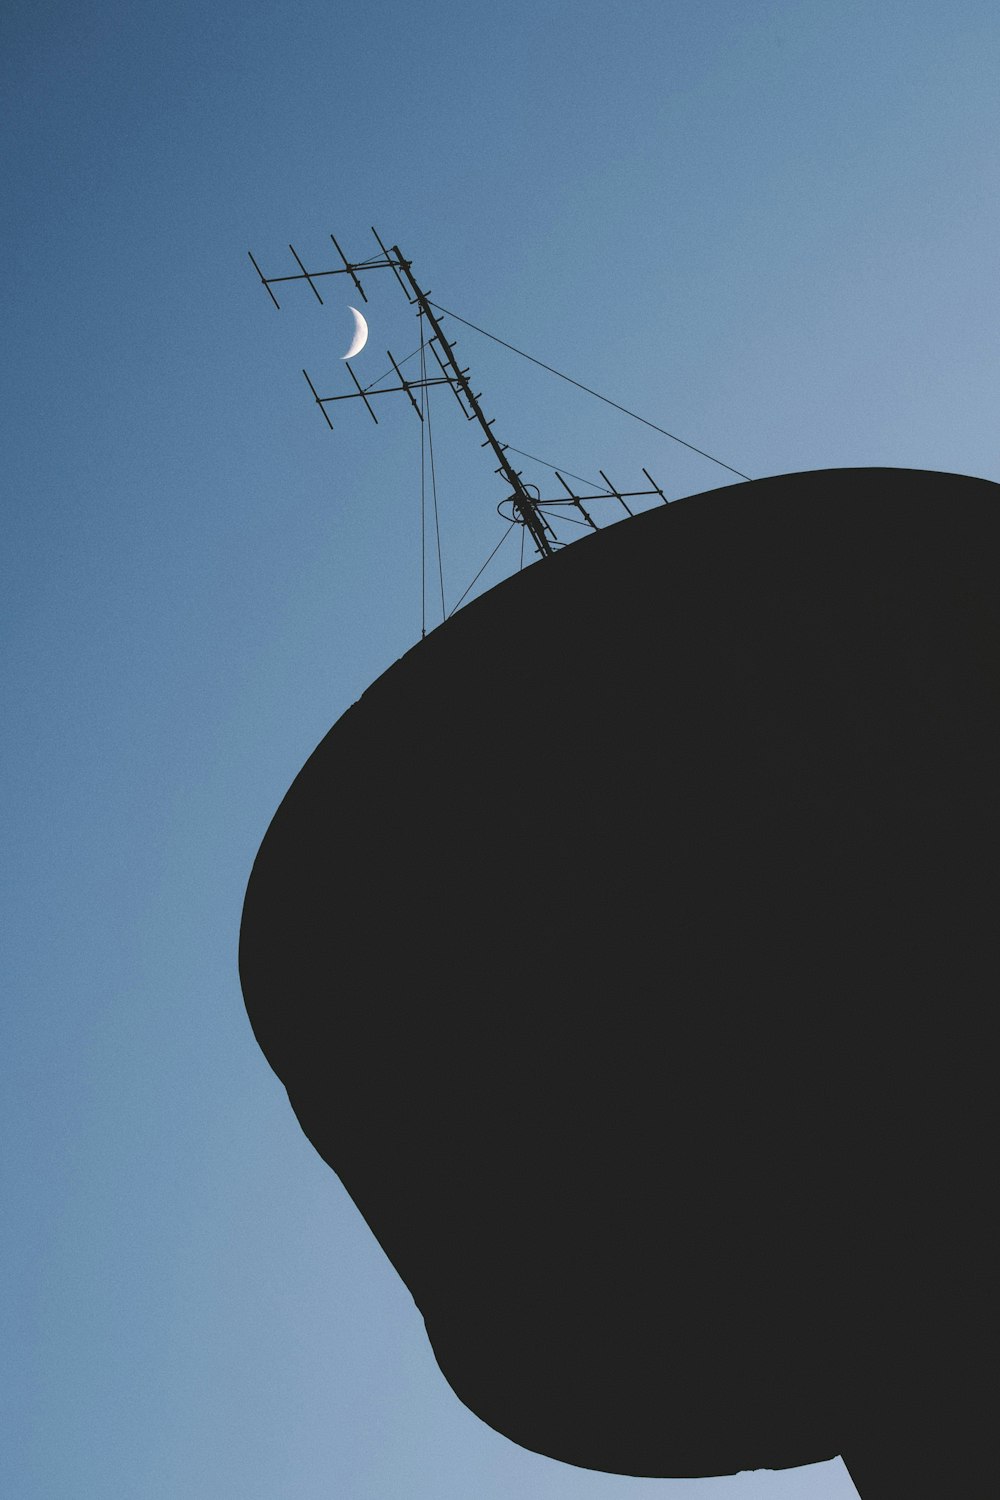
(629, 951)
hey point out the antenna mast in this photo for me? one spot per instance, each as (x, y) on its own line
(528, 511)
(525, 506)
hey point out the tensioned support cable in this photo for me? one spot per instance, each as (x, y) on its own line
(434, 492)
(486, 564)
(579, 384)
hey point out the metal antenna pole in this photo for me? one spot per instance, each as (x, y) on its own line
(522, 501)
(526, 510)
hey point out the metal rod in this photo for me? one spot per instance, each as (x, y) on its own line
(310, 275)
(570, 520)
(363, 265)
(383, 390)
(575, 499)
(391, 263)
(534, 521)
(263, 278)
(305, 273)
(616, 493)
(406, 387)
(318, 402)
(468, 415)
(362, 394)
(350, 268)
(656, 487)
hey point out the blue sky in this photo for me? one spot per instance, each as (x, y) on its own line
(769, 228)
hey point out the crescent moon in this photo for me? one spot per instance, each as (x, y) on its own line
(360, 335)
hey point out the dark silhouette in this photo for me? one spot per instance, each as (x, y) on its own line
(629, 951)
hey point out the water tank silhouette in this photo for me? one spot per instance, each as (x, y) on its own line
(629, 952)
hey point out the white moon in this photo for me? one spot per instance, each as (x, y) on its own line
(360, 335)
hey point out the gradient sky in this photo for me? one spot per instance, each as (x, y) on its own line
(771, 228)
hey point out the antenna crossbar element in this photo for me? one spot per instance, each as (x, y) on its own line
(361, 393)
(576, 501)
(267, 284)
(390, 262)
(305, 273)
(405, 384)
(350, 269)
(618, 496)
(319, 401)
(656, 487)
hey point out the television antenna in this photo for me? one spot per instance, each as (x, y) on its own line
(520, 505)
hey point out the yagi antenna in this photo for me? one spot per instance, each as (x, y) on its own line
(528, 509)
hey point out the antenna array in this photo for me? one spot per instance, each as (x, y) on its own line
(520, 505)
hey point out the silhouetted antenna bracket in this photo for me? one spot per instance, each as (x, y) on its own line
(524, 508)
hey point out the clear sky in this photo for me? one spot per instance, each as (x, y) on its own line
(771, 228)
